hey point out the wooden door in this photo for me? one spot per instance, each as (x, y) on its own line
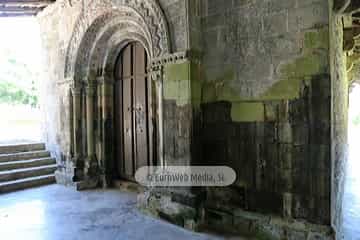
(132, 138)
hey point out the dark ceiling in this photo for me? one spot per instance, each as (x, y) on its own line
(14, 8)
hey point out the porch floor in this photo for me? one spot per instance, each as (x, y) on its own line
(56, 212)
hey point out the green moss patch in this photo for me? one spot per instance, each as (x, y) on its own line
(176, 72)
(248, 112)
(317, 39)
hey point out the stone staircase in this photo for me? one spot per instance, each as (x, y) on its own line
(24, 166)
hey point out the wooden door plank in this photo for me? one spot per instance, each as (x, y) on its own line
(141, 128)
(128, 112)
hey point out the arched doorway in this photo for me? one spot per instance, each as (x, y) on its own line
(132, 94)
(96, 154)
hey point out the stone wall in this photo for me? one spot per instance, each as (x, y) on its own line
(266, 106)
(247, 84)
(56, 24)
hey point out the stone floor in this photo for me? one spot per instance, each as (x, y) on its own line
(58, 213)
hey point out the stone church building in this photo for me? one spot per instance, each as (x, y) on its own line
(260, 86)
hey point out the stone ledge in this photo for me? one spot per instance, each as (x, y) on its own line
(162, 206)
(265, 226)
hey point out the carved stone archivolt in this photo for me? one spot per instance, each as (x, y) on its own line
(141, 20)
(347, 6)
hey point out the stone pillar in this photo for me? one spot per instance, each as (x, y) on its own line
(91, 163)
(171, 76)
(73, 170)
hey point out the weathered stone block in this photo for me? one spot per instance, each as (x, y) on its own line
(246, 131)
(276, 24)
(285, 156)
(271, 110)
(177, 72)
(214, 7)
(216, 112)
(320, 156)
(241, 3)
(300, 133)
(215, 20)
(301, 180)
(285, 133)
(301, 157)
(317, 39)
(308, 16)
(264, 202)
(270, 133)
(298, 110)
(218, 219)
(214, 152)
(300, 207)
(281, 5)
(287, 205)
(248, 112)
(320, 132)
(282, 46)
(283, 111)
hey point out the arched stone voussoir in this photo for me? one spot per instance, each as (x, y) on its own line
(101, 28)
(90, 24)
(86, 64)
(347, 6)
(107, 59)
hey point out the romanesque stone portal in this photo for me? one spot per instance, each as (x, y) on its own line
(260, 86)
(102, 32)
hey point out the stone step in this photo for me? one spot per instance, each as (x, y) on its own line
(6, 166)
(26, 183)
(23, 156)
(17, 174)
(16, 148)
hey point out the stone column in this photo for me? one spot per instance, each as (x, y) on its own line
(104, 106)
(104, 149)
(76, 95)
(156, 75)
(91, 163)
(71, 123)
(108, 127)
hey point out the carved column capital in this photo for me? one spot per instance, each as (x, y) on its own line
(156, 73)
(100, 80)
(90, 89)
(75, 90)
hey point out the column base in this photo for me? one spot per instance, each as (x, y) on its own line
(68, 174)
(91, 167)
(64, 178)
(90, 183)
